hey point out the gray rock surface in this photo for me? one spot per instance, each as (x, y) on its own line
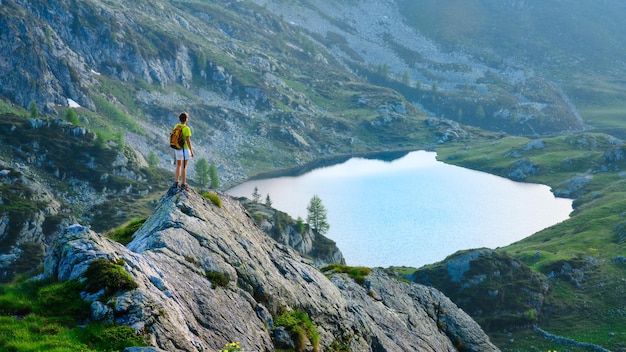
(180, 309)
(282, 228)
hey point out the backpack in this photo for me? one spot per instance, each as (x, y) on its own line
(176, 137)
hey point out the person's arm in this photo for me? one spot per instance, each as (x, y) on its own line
(189, 145)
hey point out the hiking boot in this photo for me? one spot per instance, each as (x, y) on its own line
(175, 185)
(184, 187)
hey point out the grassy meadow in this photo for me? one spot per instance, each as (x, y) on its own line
(589, 245)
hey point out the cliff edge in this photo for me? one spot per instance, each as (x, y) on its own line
(206, 276)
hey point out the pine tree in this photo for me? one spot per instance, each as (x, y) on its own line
(268, 201)
(153, 159)
(202, 172)
(215, 181)
(34, 111)
(316, 216)
(406, 78)
(71, 116)
(255, 195)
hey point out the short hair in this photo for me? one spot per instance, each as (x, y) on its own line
(183, 117)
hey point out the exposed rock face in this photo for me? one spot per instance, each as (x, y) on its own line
(180, 309)
(499, 291)
(45, 184)
(28, 214)
(281, 227)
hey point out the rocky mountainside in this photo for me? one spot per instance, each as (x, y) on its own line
(261, 93)
(53, 173)
(502, 293)
(280, 83)
(206, 275)
(269, 84)
(399, 44)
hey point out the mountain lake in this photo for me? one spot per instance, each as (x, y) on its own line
(413, 210)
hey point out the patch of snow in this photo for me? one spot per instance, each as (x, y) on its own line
(72, 103)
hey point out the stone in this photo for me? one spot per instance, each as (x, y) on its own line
(101, 312)
(188, 236)
(282, 339)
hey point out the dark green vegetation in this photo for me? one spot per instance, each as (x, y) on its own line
(356, 273)
(217, 278)
(45, 316)
(213, 197)
(110, 277)
(300, 327)
(125, 233)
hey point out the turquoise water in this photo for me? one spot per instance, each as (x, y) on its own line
(414, 210)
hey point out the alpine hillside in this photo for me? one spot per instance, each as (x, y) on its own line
(531, 91)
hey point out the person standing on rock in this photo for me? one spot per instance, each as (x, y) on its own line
(183, 155)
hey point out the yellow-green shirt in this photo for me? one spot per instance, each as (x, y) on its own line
(186, 133)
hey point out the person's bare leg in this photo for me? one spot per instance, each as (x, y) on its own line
(179, 164)
(184, 172)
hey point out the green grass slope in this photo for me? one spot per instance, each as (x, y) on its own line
(582, 258)
(51, 316)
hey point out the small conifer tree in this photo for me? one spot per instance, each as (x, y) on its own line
(268, 200)
(34, 111)
(317, 215)
(202, 172)
(71, 116)
(256, 196)
(215, 181)
(406, 78)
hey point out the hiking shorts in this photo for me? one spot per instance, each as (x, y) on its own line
(179, 154)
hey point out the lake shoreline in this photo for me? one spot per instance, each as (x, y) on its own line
(330, 161)
(414, 209)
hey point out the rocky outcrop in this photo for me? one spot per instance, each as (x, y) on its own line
(52, 173)
(179, 253)
(284, 229)
(574, 187)
(28, 214)
(499, 291)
